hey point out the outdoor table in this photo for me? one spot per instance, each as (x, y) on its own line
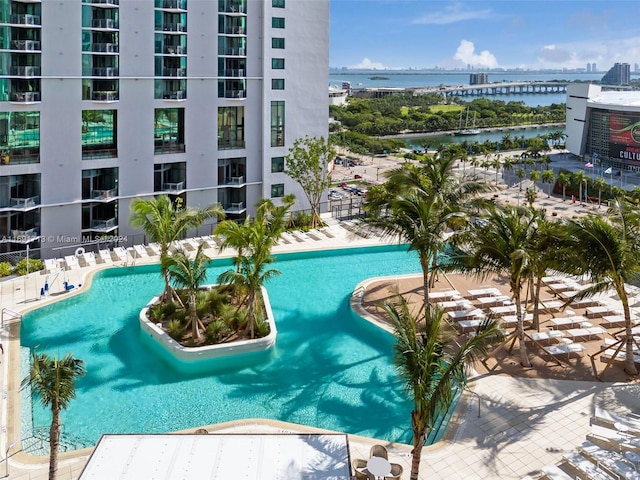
(379, 466)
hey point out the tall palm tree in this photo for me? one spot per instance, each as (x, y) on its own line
(164, 222)
(507, 165)
(190, 275)
(520, 173)
(534, 176)
(433, 364)
(496, 164)
(54, 381)
(600, 184)
(418, 204)
(548, 177)
(503, 245)
(564, 180)
(607, 250)
(253, 241)
(579, 177)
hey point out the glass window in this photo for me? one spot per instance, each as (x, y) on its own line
(277, 63)
(277, 124)
(277, 22)
(277, 190)
(230, 127)
(277, 43)
(168, 130)
(277, 84)
(99, 134)
(19, 137)
(277, 3)
(277, 164)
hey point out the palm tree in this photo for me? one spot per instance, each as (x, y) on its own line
(579, 177)
(164, 222)
(607, 250)
(520, 173)
(531, 196)
(548, 177)
(190, 275)
(253, 240)
(503, 245)
(600, 184)
(496, 164)
(534, 176)
(433, 364)
(418, 204)
(54, 381)
(564, 180)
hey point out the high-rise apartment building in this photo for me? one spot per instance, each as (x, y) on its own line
(102, 101)
(619, 74)
(478, 79)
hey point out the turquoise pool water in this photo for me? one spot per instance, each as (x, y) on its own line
(329, 369)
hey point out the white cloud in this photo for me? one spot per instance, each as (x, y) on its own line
(466, 53)
(452, 14)
(367, 64)
(578, 54)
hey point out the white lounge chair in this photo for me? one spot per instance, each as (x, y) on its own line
(71, 261)
(120, 254)
(153, 249)
(104, 256)
(88, 259)
(50, 265)
(140, 251)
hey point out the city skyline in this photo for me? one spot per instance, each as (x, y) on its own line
(529, 34)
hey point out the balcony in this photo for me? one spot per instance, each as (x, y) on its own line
(233, 30)
(24, 97)
(172, 187)
(104, 195)
(90, 153)
(227, 144)
(174, 27)
(234, 72)
(21, 156)
(104, 225)
(104, 23)
(110, 3)
(174, 5)
(26, 45)
(235, 93)
(233, 7)
(24, 236)
(234, 51)
(234, 180)
(164, 148)
(24, 19)
(24, 71)
(105, 47)
(105, 96)
(234, 207)
(104, 72)
(175, 95)
(174, 72)
(26, 203)
(176, 49)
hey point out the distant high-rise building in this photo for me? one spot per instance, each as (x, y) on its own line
(619, 74)
(478, 78)
(588, 68)
(636, 67)
(594, 68)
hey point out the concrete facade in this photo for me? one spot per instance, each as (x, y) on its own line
(73, 71)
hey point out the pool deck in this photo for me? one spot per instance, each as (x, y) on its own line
(507, 428)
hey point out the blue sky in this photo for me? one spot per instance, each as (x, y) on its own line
(485, 34)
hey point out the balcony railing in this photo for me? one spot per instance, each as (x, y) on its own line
(107, 23)
(235, 94)
(24, 71)
(234, 72)
(174, 72)
(24, 19)
(235, 51)
(26, 97)
(232, 30)
(161, 148)
(104, 225)
(105, 47)
(106, 2)
(26, 45)
(176, 49)
(28, 202)
(104, 72)
(20, 156)
(24, 236)
(233, 7)
(172, 186)
(227, 144)
(175, 95)
(234, 207)
(234, 180)
(91, 153)
(174, 4)
(104, 194)
(173, 27)
(109, 96)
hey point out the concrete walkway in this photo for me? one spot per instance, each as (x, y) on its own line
(506, 429)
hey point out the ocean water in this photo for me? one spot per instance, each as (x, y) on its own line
(329, 369)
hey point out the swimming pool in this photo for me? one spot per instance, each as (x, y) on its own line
(329, 369)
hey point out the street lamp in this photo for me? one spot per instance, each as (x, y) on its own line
(377, 174)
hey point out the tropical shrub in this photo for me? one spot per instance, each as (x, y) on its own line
(35, 264)
(5, 269)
